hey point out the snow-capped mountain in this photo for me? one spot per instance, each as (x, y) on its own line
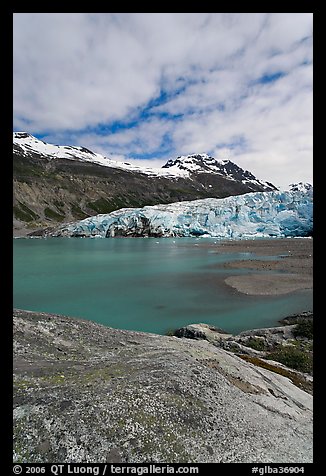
(55, 183)
(259, 214)
(203, 163)
(28, 144)
(182, 166)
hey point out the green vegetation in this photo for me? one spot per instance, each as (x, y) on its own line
(59, 206)
(101, 374)
(22, 384)
(131, 202)
(51, 214)
(58, 379)
(58, 203)
(77, 211)
(304, 329)
(233, 347)
(255, 343)
(170, 332)
(23, 213)
(293, 357)
(101, 205)
(23, 169)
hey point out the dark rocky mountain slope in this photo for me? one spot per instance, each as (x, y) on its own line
(54, 184)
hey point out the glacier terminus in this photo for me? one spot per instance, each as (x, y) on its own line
(257, 214)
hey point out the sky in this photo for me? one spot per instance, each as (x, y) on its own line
(148, 87)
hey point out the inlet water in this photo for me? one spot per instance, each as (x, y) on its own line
(141, 284)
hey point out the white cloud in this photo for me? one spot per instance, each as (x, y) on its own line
(276, 127)
(75, 72)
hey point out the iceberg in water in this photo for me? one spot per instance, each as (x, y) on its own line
(258, 214)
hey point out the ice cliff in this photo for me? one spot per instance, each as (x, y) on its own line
(257, 214)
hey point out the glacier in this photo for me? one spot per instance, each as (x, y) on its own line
(256, 214)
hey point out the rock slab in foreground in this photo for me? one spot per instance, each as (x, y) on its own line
(87, 393)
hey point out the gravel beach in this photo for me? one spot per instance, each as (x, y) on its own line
(283, 265)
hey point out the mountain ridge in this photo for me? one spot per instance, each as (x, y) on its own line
(182, 166)
(201, 163)
(54, 184)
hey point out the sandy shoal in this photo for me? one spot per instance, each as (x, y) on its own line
(284, 265)
(267, 285)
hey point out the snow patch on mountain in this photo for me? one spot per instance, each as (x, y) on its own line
(29, 144)
(183, 166)
(203, 163)
(257, 214)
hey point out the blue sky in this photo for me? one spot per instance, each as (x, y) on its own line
(147, 87)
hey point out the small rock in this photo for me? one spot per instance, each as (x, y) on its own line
(44, 447)
(113, 456)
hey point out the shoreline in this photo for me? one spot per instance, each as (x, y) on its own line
(273, 285)
(282, 266)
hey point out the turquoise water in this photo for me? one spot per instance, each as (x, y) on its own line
(141, 284)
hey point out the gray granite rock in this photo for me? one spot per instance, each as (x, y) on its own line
(87, 393)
